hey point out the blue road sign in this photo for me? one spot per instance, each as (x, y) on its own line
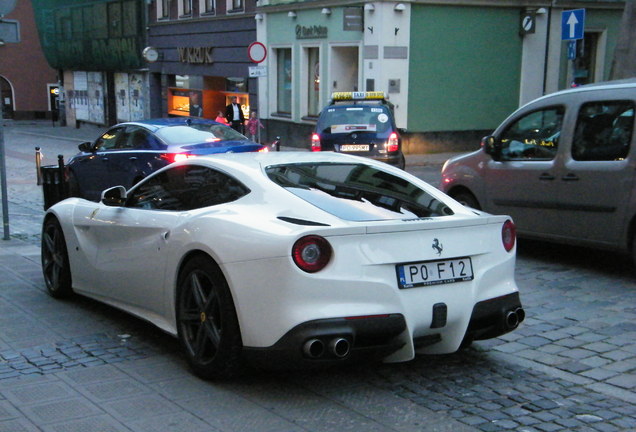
(572, 24)
(571, 50)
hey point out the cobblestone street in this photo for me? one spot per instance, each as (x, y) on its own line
(79, 365)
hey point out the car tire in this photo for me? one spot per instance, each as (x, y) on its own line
(467, 199)
(55, 264)
(402, 163)
(207, 324)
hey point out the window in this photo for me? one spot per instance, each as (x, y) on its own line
(357, 192)
(109, 140)
(185, 8)
(234, 5)
(603, 131)
(283, 80)
(186, 187)
(163, 9)
(207, 6)
(534, 136)
(313, 81)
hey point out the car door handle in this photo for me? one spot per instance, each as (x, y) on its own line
(132, 158)
(570, 177)
(104, 159)
(546, 176)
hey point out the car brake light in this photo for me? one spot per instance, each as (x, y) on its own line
(508, 235)
(392, 145)
(311, 253)
(315, 143)
(265, 149)
(176, 157)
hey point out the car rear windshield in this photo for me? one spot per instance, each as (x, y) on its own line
(357, 192)
(198, 133)
(360, 118)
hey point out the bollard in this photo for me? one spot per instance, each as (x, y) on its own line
(38, 165)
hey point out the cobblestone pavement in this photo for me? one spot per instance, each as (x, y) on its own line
(78, 365)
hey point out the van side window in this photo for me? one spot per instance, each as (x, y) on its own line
(534, 136)
(603, 131)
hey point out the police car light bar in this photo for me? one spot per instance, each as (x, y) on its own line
(372, 95)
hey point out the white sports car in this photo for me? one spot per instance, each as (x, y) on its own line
(289, 258)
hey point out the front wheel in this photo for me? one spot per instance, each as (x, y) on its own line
(207, 323)
(55, 264)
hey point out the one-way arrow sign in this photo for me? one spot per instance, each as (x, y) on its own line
(572, 24)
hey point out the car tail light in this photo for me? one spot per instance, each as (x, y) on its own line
(311, 253)
(265, 149)
(508, 235)
(392, 145)
(315, 143)
(176, 157)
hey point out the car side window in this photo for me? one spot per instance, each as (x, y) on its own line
(535, 136)
(109, 140)
(186, 187)
(136, 139)
(603, 131)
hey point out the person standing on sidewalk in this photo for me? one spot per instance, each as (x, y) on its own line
(253, 127)
(234, 115)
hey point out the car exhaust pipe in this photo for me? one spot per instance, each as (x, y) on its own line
(339, 347)
(512, 320)
(521, 314)
(314, 348)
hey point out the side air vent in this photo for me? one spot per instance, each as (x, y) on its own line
(301, 221)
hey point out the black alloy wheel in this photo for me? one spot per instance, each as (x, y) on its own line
(206, 320)
(55, 264)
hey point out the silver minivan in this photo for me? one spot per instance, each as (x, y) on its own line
(563, 166)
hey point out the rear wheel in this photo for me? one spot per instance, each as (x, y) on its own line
(55, 265)
(206, 318)
(466, 198)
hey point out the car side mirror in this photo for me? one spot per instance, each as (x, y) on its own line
(85, 147)
(114, 197)
(492, 146)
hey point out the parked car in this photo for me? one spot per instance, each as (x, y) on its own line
(563, 166)
(129, 152)
(362, 124)
(290, 258)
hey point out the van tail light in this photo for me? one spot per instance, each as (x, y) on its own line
(393, 143)
(508, 235)
(315, 143)
(311, 253)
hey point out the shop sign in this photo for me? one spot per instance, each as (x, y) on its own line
(312, 32)
(195, 55)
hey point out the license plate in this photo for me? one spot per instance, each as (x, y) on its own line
(425, 273)
(354, 147)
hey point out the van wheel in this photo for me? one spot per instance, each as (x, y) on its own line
(467, 199)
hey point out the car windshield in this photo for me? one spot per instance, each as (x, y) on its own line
(359, 118)
(357, 192)
(198, 133)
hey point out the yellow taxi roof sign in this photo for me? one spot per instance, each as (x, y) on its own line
(372, 95)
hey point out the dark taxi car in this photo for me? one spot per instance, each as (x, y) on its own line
(362, 124)
(130, 151)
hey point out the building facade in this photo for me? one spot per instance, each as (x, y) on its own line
(200, 50)
(28, 85)
(453, 69)
(97, 47)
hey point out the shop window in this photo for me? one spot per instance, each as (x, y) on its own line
(163, 9)
(185, 8)
(235, 5)
(207, 7)
(283, 80)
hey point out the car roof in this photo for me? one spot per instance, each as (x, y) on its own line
(159, 123)
(629, 83)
